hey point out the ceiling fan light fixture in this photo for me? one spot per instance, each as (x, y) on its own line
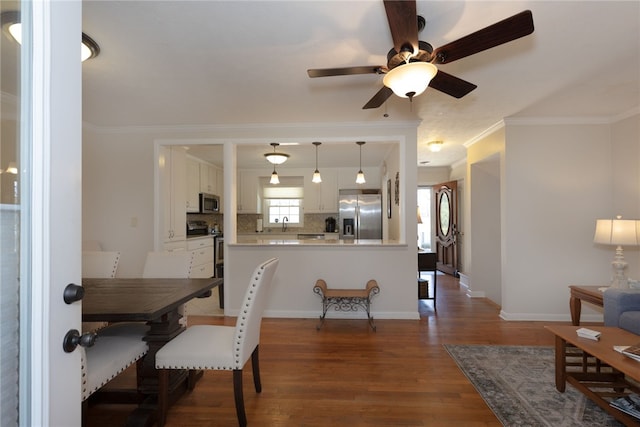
(411, 79)
(435, 146)
(276, 158)
(317, 179)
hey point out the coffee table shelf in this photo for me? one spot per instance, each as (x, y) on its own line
(595, 369)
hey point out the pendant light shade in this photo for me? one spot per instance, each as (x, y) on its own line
(316, 174)
(275, 157)
(360, 176)
(274, 177)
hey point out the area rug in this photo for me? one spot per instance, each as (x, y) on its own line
(518, 384)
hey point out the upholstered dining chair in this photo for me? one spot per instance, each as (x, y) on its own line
(217, 347)
(98, 264)
(169, 265)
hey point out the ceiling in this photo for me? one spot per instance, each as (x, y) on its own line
(231, 63)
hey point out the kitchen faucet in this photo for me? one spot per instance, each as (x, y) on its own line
(284, 223)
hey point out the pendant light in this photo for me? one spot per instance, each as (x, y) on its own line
(274, 177)
(360, 177)
(316, 174)
(275, 157)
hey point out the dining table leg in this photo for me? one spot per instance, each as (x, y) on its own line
(160, 332)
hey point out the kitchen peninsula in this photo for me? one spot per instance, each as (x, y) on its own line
(343, 264)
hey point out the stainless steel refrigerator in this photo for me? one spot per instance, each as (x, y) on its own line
(360, 214)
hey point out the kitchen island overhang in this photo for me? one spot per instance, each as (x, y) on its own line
(342, 264)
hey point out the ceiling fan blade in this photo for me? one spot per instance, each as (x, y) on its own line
(346, 71)
(451, 85)
(509, 29)
(403, 23)
(379, 98)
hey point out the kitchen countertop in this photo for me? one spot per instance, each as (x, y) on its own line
(319, 242)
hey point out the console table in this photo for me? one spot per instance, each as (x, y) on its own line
(590, 294)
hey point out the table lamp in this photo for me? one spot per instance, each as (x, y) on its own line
(618, 232)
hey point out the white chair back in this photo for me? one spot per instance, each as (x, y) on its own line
(91, 245)
(169, 265)
(247, 331)
(100, 264)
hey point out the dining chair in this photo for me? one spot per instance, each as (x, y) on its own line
(115, 349)
(169, 265)
(216, 347)
(98, 264)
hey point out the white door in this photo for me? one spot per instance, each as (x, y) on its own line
(42, 210)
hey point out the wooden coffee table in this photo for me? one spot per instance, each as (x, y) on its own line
(595, 368)
(590, 294)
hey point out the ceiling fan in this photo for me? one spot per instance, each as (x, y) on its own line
(410, 56)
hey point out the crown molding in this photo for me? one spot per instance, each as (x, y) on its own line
(213, 128)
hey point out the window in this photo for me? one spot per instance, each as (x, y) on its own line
(279, 209)
(284, 202)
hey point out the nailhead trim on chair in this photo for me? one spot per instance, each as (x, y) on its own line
(86, 393)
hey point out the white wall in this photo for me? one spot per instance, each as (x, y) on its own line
(486, 239)
(558, 180)
(118, 196)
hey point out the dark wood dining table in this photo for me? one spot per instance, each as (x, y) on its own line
(155, 302)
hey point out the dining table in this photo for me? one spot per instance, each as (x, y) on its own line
(154, 302)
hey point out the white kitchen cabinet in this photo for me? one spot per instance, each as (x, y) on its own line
(321, 197)
(208, 179)
(173, 177)
(193, 185)
(249, 198)
(202, 248)
(220, 186)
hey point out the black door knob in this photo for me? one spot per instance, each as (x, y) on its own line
(73, 339)
(73, 293)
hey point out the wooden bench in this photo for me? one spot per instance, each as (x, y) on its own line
(346, 299)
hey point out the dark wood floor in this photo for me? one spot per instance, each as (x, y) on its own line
(347, 375)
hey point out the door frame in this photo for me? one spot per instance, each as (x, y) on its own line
(51, 176)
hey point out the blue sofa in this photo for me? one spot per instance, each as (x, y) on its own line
(622, 309)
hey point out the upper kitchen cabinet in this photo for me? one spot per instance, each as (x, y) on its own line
(173, 175)
(249, 200)
(202, 177)
(220, 186)
(208, 179)
(193, 185)
(321, 197)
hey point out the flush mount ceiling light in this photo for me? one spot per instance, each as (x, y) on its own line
(410, 79)
(316, 174)
(360, 177)
(12, 25)
(275, 157)
(435, 146)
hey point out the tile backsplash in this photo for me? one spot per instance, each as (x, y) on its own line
(313, 223)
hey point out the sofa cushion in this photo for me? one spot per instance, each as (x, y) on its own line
(630, 321)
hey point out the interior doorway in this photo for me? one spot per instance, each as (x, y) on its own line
(425, 229)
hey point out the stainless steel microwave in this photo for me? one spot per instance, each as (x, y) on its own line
(209, 203)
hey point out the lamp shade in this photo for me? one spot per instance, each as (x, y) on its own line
(617, 232)
(409, 80)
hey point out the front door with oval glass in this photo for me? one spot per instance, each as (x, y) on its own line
(446, 227)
